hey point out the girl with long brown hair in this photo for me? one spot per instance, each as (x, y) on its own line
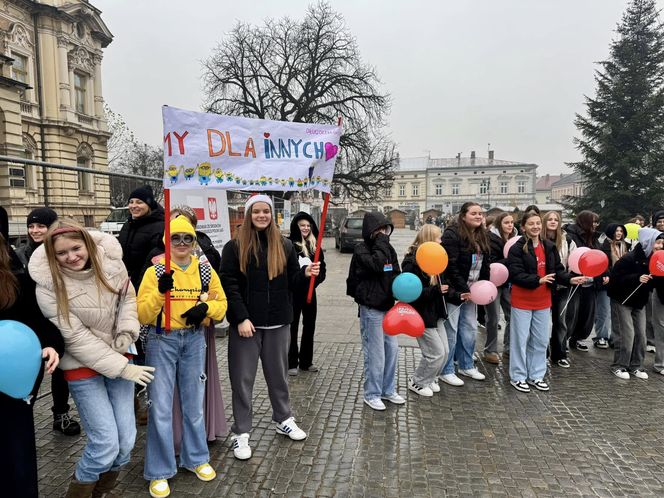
(500, 232)
(580, 314)
(259, 270)
(84, 289)
(467, 245)
(18, 458)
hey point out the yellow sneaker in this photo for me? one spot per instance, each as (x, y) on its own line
(204, 472)
(159, 488)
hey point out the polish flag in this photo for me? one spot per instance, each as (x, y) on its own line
(198, 205)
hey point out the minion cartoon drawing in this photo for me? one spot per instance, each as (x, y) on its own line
(189, 173)
(173, 172)
(204, 173)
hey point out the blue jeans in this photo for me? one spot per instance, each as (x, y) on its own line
(381, 352)
(461, 328)
(602, 315)
(181, 354)
(529, 338)
(106, 408)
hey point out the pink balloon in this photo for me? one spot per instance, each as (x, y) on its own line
(509, 244)
(575, 257)
(499, 274)
(483, 292)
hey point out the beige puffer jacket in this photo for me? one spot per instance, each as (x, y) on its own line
(88, 338)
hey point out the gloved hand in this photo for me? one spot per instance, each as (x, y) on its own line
(137, 373)
(122, 341)
(165, 282)
(196, 314)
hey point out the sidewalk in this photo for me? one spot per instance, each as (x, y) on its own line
(592, 435)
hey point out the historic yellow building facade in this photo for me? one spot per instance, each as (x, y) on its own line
(51, 107)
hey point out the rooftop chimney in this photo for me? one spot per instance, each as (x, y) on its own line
(491, 155)
(472, 154)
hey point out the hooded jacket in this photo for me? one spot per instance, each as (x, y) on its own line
(89, 336)
(375, 265)
(657, 215)
(627, 270)
(138, 237)
(295, 237)
(460, 260)
(610, 233)
(202, 241)
(252, 295)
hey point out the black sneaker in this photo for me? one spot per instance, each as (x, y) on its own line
(581, 346)
(65, 424)
(564, 363)
(540, 385)
(601, 343)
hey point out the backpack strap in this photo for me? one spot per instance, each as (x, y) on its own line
(205, 272)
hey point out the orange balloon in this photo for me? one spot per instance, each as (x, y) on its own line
(431, 258)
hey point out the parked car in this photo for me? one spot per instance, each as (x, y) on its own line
(349, 234)
(115, 220)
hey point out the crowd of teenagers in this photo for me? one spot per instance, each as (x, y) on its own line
(96, 303)
(548, 308)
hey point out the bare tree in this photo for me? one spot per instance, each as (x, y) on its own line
(308, 71)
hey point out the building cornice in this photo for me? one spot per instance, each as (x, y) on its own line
(10, 82)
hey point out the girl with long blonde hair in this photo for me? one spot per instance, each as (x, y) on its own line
(84, 289)
(259, 270)
(432, 308)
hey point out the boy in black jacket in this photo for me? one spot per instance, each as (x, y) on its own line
(372, 270)
(631, 284)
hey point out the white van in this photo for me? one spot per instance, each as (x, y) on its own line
(115, 220)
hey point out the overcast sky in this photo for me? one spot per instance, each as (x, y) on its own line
(461, 73)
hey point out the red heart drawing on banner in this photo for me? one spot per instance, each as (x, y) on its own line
(403, 319)
(330, 150)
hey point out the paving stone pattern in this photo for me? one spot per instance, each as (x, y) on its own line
(591, 435)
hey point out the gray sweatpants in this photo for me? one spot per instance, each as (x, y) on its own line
(657, 318)
(434, 349)
(271, 346)
(629, 340)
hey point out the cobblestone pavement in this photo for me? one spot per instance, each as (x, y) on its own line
(591, 435)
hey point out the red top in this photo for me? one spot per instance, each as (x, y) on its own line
(84, 372)
(533, 299)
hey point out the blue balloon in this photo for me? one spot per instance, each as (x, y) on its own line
(20, 359)
(407, 287)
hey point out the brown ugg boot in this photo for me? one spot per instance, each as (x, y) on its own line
(80, 489)
(106, 484)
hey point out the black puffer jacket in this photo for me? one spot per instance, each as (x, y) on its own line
(295, 237)
(24, 252)
(253, 295)
(625, 276)
(430, 304)
(375, 265)
(460, 260)
(575, 233)
(138, 237)
(610, 232)
(523, 265)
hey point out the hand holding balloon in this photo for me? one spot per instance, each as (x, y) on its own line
(52, 359)
(444, 289)
(578, 280)
(644, 279)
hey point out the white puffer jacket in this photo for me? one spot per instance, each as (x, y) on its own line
(89, 337)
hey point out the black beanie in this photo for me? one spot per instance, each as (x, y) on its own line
(657, 216)
(43, 216)
(144, 194)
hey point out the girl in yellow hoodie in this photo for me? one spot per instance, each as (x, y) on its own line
(179, 351)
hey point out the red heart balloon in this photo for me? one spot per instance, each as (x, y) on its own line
(403, 319)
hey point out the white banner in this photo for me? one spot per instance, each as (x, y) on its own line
(211, 208)
(203, 150)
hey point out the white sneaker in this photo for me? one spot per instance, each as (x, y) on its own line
(621, 373)
(435, 387)
(651, 349)
(394, 398)
(292, 372)
(640, 374)
(421, 390)
(289, 428)
(473, 373)
(375, 403)
(451, 379)
(241, 448)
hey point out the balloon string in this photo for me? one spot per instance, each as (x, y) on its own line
(454, 311)
(633, 292)
(569, 299)
(439, 285)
